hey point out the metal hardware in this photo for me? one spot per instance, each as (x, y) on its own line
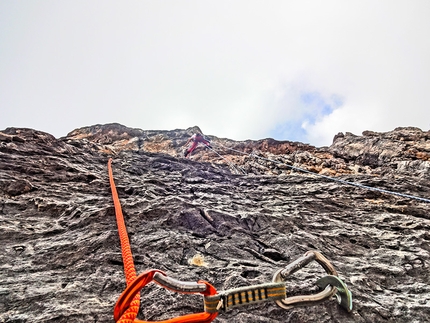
(161, 278)
(302, 300)
(177, 285)
(344, 296)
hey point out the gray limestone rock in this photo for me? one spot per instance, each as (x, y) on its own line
(199, 219)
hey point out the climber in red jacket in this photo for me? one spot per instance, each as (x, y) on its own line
(196, 138)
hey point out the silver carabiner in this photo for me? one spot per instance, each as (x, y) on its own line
(302, 300)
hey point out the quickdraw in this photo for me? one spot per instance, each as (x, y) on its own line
(128, 303)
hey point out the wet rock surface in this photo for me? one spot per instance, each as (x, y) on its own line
(61, 259)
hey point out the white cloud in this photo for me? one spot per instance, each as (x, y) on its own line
(352, 119)
(235, 68)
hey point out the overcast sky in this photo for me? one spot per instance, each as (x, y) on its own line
(290, 70)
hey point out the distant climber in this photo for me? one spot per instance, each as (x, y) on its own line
(195, 139)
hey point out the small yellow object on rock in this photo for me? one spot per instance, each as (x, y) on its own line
(198, 260)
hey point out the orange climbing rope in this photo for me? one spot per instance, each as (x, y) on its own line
(128, 303)
(130, 272)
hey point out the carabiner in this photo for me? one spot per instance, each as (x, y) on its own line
(201, 287)
(344, 296)
(302, 300)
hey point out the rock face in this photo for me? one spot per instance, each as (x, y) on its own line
(243, 217)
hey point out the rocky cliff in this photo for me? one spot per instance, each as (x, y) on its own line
(244, 209)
